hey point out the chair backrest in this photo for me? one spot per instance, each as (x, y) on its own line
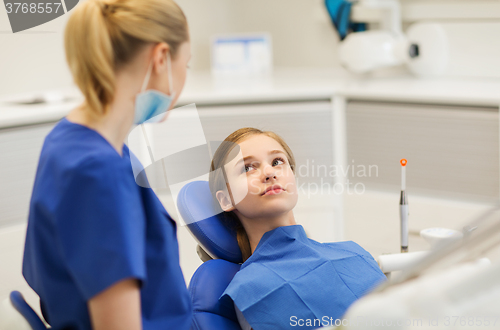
(206, 286)
(17, 300)
(196, 206)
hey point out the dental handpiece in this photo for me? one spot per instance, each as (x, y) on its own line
(403, 209)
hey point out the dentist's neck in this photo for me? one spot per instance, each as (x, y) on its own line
(257, 227)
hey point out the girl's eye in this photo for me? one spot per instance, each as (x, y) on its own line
(247, 168)
(278, 161)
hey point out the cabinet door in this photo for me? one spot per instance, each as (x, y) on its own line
(19, 152)
(305, 126)
(452, 151)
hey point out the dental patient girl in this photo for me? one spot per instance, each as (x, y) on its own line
(287, 280)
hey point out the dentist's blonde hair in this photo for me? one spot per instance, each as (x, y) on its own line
(103, 35)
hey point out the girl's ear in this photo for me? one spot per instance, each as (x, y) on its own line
(224, 201)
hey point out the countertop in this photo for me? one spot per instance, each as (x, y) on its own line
(285, 85)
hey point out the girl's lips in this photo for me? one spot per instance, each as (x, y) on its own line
(274, 191)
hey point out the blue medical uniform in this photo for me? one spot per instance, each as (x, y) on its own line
(90, 225)
(292, 281)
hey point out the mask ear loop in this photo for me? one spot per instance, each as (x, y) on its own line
(170, 79)
(148, 75)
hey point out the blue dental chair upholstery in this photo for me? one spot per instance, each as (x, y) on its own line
(17, 300)
(213, 276)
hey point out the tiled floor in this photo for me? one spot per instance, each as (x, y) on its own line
(371, 220)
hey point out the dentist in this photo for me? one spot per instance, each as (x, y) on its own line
(101, 251)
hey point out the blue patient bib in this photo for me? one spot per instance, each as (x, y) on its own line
(291, 281)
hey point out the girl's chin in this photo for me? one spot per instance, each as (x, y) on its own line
(268, 212)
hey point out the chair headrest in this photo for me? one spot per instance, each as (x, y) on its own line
(195, 204)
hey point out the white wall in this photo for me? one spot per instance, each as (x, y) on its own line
(33, 59)
(302, 34)
(301, 31)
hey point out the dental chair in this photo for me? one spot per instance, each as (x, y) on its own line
(17, 303)
(221, 256)
(219, 250)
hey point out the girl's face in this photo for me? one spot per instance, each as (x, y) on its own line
(261, 180)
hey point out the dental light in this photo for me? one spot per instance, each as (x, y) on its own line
(424, 48)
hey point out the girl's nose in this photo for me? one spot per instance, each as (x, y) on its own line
(269, 172)
(270, 176)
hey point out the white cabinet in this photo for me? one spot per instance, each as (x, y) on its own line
(452, 150)
(20, 149)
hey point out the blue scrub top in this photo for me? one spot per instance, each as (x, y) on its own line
(90, 225)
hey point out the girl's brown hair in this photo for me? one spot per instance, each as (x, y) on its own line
(102, 35)
(217, 180)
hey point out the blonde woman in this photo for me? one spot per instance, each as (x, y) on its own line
(286, 280)
(101, 251)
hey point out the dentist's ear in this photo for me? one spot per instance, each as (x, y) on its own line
(160, 57)
(224, 201)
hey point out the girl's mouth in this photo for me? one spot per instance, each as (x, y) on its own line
(273, 191)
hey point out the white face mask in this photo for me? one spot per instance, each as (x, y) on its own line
(152, 105)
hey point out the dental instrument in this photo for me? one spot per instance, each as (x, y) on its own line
(472, 247)
(436, 236)
(396, 261)
(403, 208)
